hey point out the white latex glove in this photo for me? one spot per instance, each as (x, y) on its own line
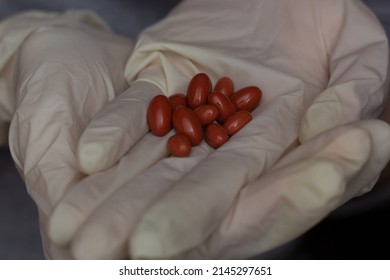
(322, 66)
(57, 71)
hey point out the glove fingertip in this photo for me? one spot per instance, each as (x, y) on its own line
(144, 243)
(320, 116)
(92, 242)
(62, 227)
(155, 241)
(92, 157)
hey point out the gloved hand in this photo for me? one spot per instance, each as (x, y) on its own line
(57, 71)
(322, 66)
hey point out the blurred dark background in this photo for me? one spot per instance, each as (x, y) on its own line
(358, 230)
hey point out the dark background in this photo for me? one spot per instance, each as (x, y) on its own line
(358, 230)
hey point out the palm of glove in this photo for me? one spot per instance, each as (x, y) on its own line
(262, 188)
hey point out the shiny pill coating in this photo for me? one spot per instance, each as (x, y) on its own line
(247, 99)
(224, 105)
(225, 86)
(237, 121)
(178, 99)
(185, 122)
(216, 135)
(206, 114)
(198, 90)
(159, 115)
(179, 145)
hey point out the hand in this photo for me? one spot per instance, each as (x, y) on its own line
(306, 151)
(59, 71)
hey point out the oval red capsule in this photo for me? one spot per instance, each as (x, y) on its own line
(224, 105)
(237, 121)
(247, 99)
(185, 122)
(225, 85)
(177, 100)
(216, 135)
(179, 145)
(206, 114)
(159, 115)
(198, 90)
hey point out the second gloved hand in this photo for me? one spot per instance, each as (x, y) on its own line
(57, 72)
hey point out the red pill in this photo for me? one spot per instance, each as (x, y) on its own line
(179, 145)
(159, 115)
(224, 105)
(198, 90)
(246, 99)
(216, 135)
(225, 85)
(177, 100)
(206, 114)
(237, 121)
(185, 122)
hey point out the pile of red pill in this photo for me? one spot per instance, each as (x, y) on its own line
(214, 115)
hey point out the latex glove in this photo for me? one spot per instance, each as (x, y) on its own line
(321, 65)
(57, 71)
